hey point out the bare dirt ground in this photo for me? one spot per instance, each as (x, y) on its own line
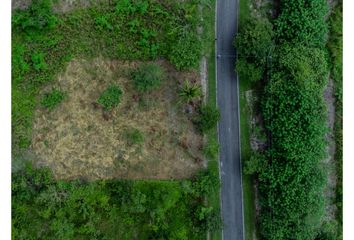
(77, 140)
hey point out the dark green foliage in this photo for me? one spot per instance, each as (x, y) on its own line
(291, 175)
(43, 208)
(254, 40)
(256, 164)
(249, 71)
(52, 99)
(207, 118)
(307, 66)
(134, 136)
(292, 182)
(254, 44)
(185, 54)
(206, 182)
(147, 77)
(38, 17)
(110, 98)
(302, 21)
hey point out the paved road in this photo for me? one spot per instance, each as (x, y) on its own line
(228, 102)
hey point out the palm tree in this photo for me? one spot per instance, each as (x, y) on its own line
(189, 92)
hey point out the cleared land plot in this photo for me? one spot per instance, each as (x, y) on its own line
(78, 139)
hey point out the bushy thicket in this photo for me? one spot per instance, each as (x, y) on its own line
(302, 22)
(291, 175)
(253, 44)
(207, 118)
(44, 208)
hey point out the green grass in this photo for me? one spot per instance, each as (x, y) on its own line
(209, 45)
(248, 190)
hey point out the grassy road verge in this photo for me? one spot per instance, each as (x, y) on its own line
(213, 163)
(248, 190)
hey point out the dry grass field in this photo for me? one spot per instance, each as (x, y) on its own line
(79, 140)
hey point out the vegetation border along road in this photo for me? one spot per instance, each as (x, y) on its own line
(335, 47)
(280, 163)
(212, 137)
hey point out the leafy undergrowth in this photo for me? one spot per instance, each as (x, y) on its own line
(45, 208)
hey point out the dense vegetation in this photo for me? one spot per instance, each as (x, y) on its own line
(43, 42)
(44, 208)
(254, 44)
(290, 171)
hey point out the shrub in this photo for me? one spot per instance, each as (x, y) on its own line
(38, 17)
(254, 40)
(38, 61)
(206, 182)
(189, 92)
(52, 99)
(211, 149)
(185, 53)
(248, 71)
(207, 118)
(134, 136)
(209, 219)
(147, 77)
(255, 164)
(110, 98)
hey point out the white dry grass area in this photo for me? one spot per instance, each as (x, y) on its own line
(76, 140)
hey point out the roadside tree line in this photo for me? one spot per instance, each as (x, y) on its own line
(289, 56)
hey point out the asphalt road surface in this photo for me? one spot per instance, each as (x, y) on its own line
(228, 128)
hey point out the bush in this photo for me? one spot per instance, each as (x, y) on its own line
(38, 61)
(302, 21)
(211, 150)
(38, 17)
(147, 77)
(254, 40)
(185, 53)
(206, 182)
(255, 164)
(248, 71)
(110, 98)
(134, 136)
(52, 99)
(207, 118)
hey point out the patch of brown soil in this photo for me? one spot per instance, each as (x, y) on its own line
(76, 140)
